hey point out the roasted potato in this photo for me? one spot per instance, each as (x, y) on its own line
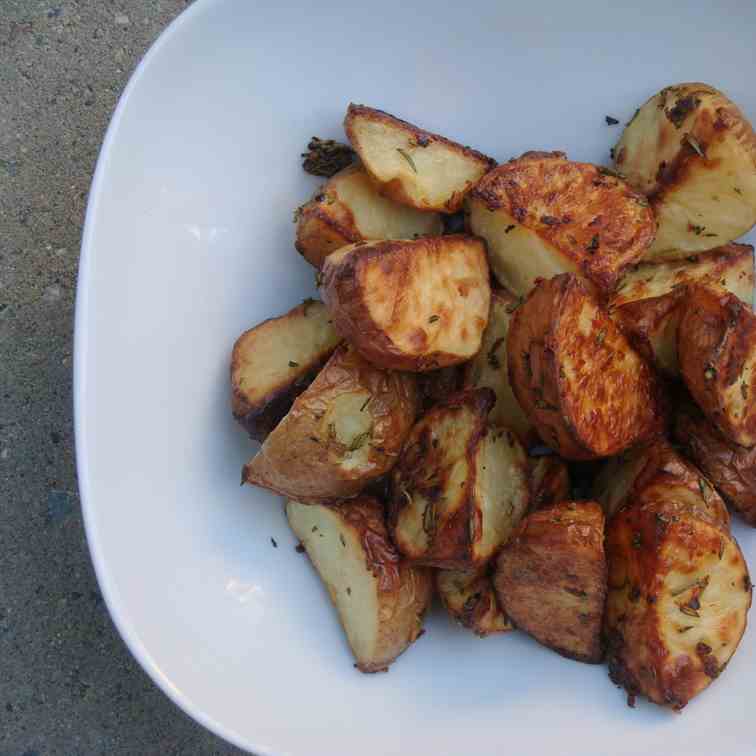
(551, 578)
(679, 592)
(730, 467)
(542, 214)
(274, 362)
(410, 305)
(585, 390)
(413, 166)
(348, 209)
(436, 385)
(489, 366)
(344, 431)
(647, 302)
(469, 598)
(380, 599)
(657, 472)
(549, 481)
(693, 152)
(716, 345)
(460, 485)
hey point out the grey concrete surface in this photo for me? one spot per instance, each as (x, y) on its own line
(67, 683)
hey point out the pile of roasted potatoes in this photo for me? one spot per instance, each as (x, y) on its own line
(528, 389)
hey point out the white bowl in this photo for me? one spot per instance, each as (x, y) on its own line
(188, 241)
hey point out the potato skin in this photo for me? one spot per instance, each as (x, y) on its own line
(716, 344)
(693, 152)
(551, 578)
(588, 394)
(595, 221)
(549, 482)
(259, 403)
(731, 468)
(436, 385)
(679, 592)
(415, 143)
(306, 457)
(414, 305)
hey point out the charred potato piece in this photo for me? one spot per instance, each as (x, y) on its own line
(380, 599)
(657, 472)
(436, 385)
(460, 486)
(716, 344)
(348, 209)
(549, 481)
(693, 152)
(410, 165)
(551, 578)
(731, 468)
(469, 597)
(679, 593)
(344, 431)
(542, 214)
(647, 303)
(585, 390)
(274, 362)
(412, 305)
(489, 366)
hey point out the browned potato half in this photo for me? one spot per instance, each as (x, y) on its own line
(731, 468)
(460, 486)
(436, 385)
(410, 305)
(647, 302)
(274, 362)
(693, 152)
(549, 481)
(410, 165)
(489, 366)
(344, 431)
(679, 593)
(380, 599)
(469, 597)
(587, 393)
(542, 214)
(716, 344)
(348, 208)
(551, 578)
(657, 472)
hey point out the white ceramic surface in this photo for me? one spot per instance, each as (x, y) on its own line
(188, 241)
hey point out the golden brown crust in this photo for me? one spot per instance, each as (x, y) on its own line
(590, 215)
(679, 592)
(344, 431)
(324, 225)
(587, 392)
(549, 482)
(731, 468)
(716, 345)
(416, 138)
(551, 578)
(413, 305)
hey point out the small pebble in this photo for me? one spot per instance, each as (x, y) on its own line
(52, 293)
(122, 19)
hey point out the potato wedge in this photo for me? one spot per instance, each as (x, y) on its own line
(693, 152)
(413, 166)
(460, 486)
(344, 431)
(274, 362)
(469, 598)
(542, 214)
(647, 302)
(657, 472)
(549, 481)
(489, 366)
(731, 468)
(436, 385)
(348, 208)
(381, 601)
(412, 305)
(679, 593)
(716, 344)
(587, 393)
(551, 578)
